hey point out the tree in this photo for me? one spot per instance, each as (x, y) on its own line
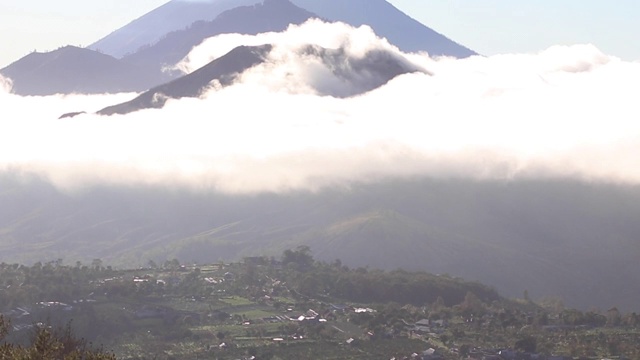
(527, 344)
(4, 327)
(613, 317)
(220, 335)
(438, 304)
(172, 265)
(472, 305)
(48, 344)
(96, 264)
(301, 258)
(464, 350)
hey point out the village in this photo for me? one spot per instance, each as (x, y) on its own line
(260, 308)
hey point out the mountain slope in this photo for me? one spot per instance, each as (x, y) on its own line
(271, 16)
(389, 22)
(349, 75)
(151, 27)
(74, 70)
(224, 70)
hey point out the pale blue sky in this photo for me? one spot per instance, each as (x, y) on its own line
(499, 26)
(487, 26)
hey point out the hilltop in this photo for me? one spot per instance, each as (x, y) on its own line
(72, 69)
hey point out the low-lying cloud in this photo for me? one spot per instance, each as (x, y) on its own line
(355, 41)
(567, 112)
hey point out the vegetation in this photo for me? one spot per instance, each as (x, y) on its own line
(291, 307)
(49, 344)
(549, 234)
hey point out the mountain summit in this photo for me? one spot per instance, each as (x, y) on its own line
(136, 57)
(151, 27)
(401, 30)
(386, 20)
(270, 16)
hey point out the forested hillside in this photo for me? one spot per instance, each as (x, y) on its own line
(286, 307)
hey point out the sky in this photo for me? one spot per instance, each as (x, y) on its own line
(486, 26)
(502, 26)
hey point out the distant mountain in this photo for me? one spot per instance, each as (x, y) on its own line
(271, 16)
(159, 45)
(386, 20)
(401, 30)
(74, 70)
(565, 238)
(172, 16)
(356, 75)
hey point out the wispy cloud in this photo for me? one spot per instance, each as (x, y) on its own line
(565, 112)
(5, 85)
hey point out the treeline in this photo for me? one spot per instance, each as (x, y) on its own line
(312, 278)
(21, 285)
(376, 286)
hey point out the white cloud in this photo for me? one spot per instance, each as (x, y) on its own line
(357, 41)
(5, 85)
(565, 112)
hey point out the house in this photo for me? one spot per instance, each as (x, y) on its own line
(17, 313)
(363, 310)
(430, 354)
(421, 329)
(20, 327)
(55, 304)
(508, 354)
(340, 308)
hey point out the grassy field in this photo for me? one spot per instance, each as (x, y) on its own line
(236, 301)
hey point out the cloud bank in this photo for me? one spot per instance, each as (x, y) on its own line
(567, 112)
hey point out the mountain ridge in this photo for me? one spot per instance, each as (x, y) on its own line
(376, 13)
(75, 70)
(132, 36)
(224, 70)
(270, 16)
(71, 69)
(388, 22)
(356, 75)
